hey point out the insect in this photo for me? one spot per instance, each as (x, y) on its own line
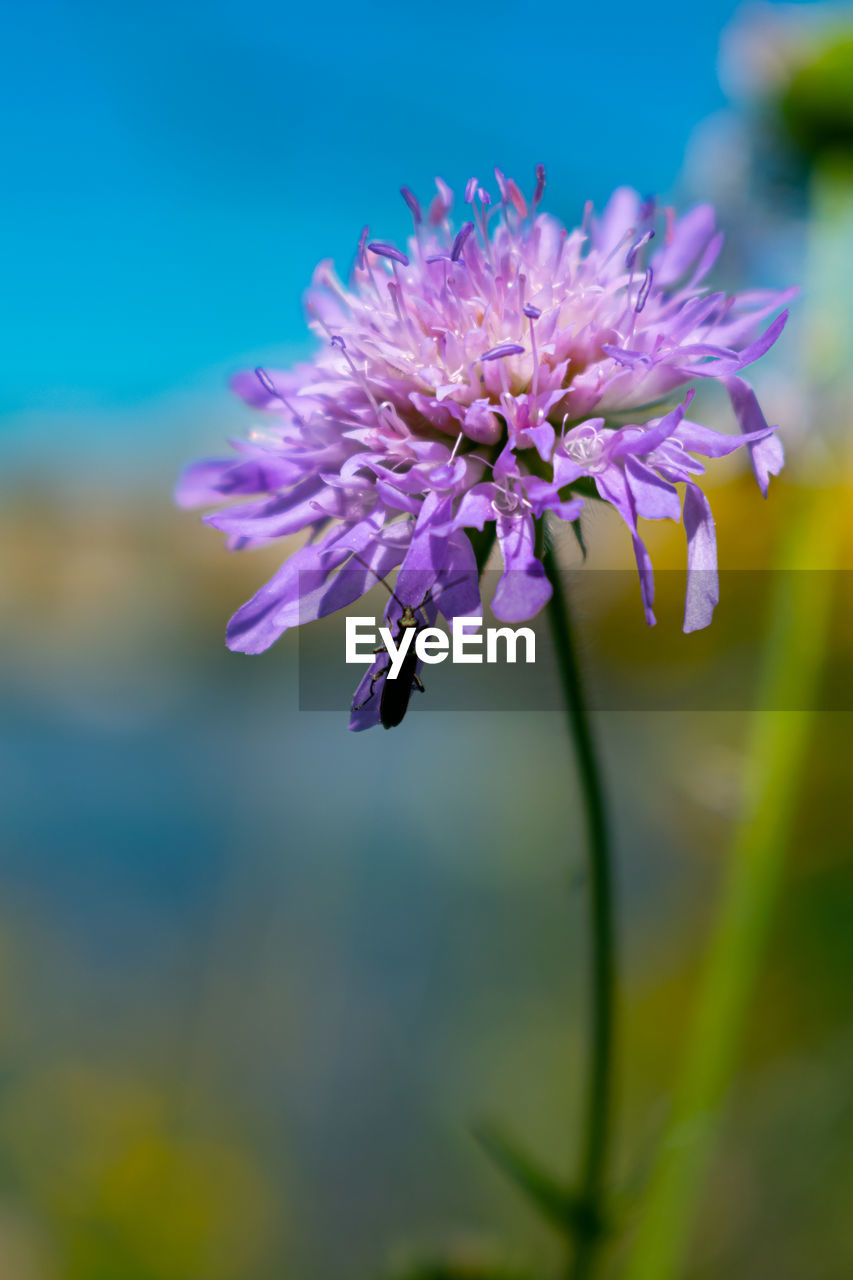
(395, 695)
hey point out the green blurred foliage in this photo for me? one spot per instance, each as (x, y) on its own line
(816, 106)
(123, 1190)
(466, 1263)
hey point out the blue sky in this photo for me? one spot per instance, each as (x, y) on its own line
(177, 169)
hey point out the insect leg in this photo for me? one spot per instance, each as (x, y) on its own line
(376, 675)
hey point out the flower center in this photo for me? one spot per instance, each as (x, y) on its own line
(507, 502)
(586, 447)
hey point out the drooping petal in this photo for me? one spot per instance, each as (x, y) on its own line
(767, 454)
(654, 498)
(703, 587)
(647, 577)
(612, 486)
(523, 588)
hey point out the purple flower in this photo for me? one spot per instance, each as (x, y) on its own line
(636, 468)
(483, 377)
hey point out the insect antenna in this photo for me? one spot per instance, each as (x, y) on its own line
(431, 596)
(379, 578)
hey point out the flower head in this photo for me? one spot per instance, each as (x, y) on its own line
(479, 378)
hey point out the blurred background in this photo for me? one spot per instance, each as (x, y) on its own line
(258, 975)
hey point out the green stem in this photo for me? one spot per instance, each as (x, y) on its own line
(594, 1149)
(779, 739)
